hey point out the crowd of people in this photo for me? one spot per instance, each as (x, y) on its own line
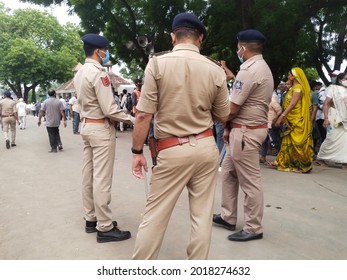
(184, 96)
(14, 111)
(302, 124)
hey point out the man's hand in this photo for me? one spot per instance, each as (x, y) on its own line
(226, 135)
(39, 122)
(326, 123)
(65, 124)
(139, 162)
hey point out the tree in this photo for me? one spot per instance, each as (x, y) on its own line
(35, 50)
(305, 33)
(294, 37)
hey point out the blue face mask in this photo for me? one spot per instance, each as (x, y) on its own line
(106, 58)
(239, 56)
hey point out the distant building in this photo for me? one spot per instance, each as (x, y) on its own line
(68, 89)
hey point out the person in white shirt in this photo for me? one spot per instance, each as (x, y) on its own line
(320, 115)
(75, 113)
(62, 100)
(22, 113)
(122, 106)
(279, 93)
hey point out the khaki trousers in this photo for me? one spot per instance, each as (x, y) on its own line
(196, 168)
(9, 122)
(98, 161)
(240, 168)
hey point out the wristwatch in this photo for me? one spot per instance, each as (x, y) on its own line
(137, 152)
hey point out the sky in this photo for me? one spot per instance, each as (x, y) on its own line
(59, 11)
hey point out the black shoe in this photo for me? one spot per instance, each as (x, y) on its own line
(13, 145)
(217, 219)
(91, 226)
(60, 147)
(53, 151)
(245, 236)
(7, 144)
(112, 235)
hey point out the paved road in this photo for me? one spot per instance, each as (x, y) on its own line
(41, 208)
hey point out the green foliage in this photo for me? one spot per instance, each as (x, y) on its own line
(35, 50)
(311, 74)
(307, 33)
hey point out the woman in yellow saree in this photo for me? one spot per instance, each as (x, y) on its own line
(296, 152)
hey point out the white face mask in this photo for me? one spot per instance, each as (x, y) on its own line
(344, 83)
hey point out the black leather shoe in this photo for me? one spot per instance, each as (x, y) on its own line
(60, 147)
(13, 145)
(91, 226)
(112, 235)
(7, 144)
(245, 236)
(217, 219)
(53, 151)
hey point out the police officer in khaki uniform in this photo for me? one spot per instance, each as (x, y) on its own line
(99, 112)
(250, 98)
(9, 118)
(185, 92)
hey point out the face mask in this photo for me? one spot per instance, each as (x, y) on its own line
(344, 83)
(106, 58)
(239, 56)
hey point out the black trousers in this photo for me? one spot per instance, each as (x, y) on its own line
(54, 137)
(322, 130)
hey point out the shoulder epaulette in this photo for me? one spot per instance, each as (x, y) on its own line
(160, 53)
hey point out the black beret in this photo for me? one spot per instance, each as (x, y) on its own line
(251, 35)
(7, 93)
(188, 20)
(95, 40)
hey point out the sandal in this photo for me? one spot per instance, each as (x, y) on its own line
(272, 163)
(321, 163)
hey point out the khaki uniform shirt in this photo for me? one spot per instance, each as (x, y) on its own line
(7, 107)
(275, 110)
(191, 88)
(95, 95)
(252, 90)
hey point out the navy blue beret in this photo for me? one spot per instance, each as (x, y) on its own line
(251, 35)
(7, 93)
(95, 40)
(188, 20)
